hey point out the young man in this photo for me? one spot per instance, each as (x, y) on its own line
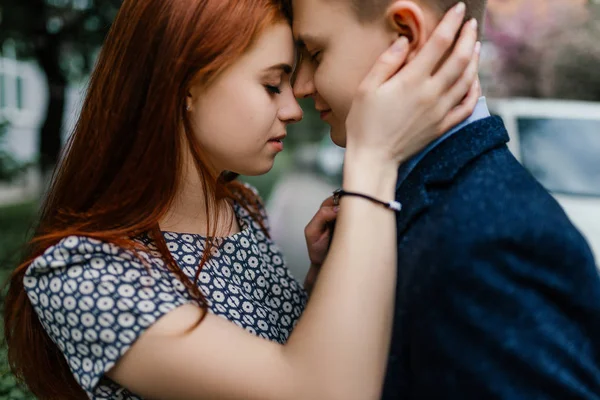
(498, 294)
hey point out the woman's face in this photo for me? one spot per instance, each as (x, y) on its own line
(240, 120)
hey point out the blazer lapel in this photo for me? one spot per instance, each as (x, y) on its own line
(442, 165)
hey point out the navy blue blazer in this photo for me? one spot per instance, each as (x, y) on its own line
(498, 295)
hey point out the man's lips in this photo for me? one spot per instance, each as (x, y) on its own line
(324, 113)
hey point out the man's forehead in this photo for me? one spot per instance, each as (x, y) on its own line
(301, 16)
(312, 18)
(311, 8)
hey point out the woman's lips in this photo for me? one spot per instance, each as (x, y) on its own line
(277, 144)
(325, 113)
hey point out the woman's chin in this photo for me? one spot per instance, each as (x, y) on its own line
(256, 170)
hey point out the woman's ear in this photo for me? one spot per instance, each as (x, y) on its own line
(407, 19)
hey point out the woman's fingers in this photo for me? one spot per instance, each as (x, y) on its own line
(318, 225)
(440, 42)
(397, 122)
(457, 92)
(386, 65)
(318, 234)
(460, 58)
(327, 202)
(454, 103)
(464, 109)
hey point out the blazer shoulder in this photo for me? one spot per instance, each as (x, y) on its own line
(496, 200)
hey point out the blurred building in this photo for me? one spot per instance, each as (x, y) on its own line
(17, 89)
(23, 100)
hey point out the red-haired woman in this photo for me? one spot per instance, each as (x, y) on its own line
(151, 273)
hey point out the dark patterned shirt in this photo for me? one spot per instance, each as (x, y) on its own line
(95, 299)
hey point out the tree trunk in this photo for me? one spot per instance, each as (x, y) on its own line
(50, 143)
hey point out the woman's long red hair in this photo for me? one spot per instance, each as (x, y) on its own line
(121, 168)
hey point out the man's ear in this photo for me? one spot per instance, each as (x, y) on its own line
(407, 19)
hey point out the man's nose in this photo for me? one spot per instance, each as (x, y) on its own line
(304, 85)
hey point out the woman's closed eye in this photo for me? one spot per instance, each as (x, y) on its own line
(273, 89)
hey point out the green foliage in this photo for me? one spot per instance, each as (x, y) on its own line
(9, 388)
(15, 222)
(310, 130)
(10, 168)
(77, 28)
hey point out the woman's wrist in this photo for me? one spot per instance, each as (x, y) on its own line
(370, 173)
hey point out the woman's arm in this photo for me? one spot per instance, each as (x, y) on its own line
(339, 348)
(341, 336)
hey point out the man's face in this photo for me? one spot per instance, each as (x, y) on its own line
(339, 51)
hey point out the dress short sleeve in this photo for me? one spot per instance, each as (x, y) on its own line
(95, 299)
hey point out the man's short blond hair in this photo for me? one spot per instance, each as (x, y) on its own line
(370, 9)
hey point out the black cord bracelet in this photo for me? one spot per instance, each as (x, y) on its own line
(392, 205)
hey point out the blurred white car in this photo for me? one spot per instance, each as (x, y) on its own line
(559, 143)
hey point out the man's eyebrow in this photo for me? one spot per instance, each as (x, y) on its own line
(286, 68)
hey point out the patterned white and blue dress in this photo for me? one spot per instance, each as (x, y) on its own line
(94, 299)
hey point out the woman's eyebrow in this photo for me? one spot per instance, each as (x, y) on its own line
(286, 68)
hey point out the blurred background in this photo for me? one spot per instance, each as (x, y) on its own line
(540, 71)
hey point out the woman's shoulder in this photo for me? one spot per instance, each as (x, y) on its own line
(87, 251)
(77, 248)
(81, 284)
